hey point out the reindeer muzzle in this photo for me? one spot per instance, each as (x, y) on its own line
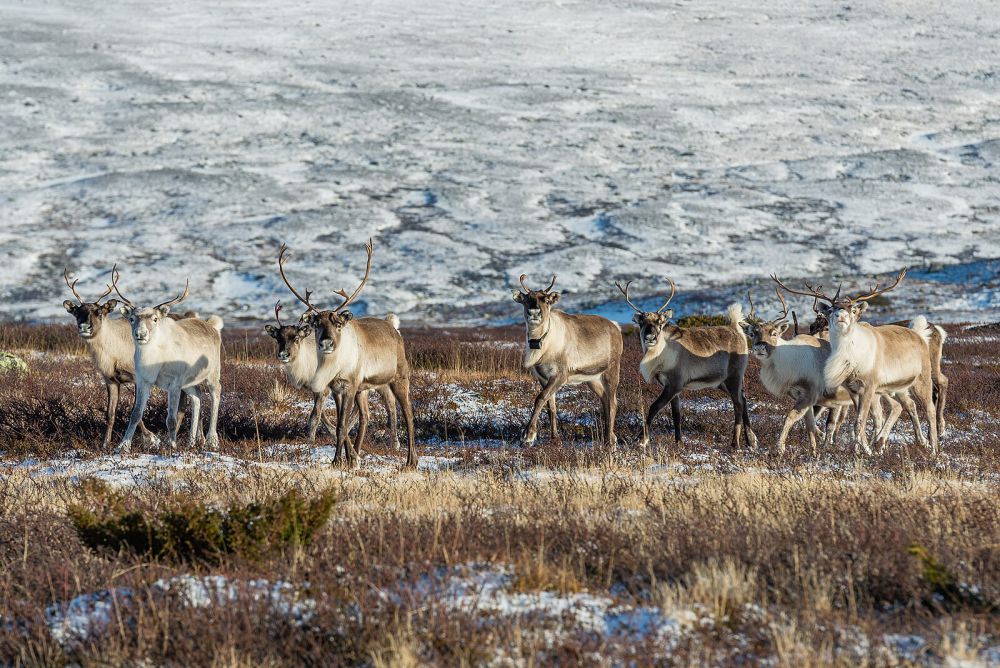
(283, 356)
(326, 346)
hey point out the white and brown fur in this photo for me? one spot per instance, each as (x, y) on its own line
(794, 369)
(887, 359)
(355, 355)
(299, 358)
(178, 356)
(109, 343)
(693, 358)
(565, 349)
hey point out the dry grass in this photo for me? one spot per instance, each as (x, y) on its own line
(757, 557)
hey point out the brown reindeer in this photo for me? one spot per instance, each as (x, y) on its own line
(356, 355)
(692, 358)
(563, 349)
(299, 360)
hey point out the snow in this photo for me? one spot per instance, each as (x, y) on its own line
(89, 614)
(713, 142)
(486, 590)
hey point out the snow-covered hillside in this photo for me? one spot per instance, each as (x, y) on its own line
(713, 141)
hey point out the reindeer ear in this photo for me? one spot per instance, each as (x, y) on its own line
(637, 318)
(747, 328)
(347, 316)
(164, 310)
(109, 306)
(126, 310)
(271, 330)
(825, 309)
(783, 327)
(307, 319)
(668, 314)
(552, 298)
(69, 305)
(518, 296)
(862, 307)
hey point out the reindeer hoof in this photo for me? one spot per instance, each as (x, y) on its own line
(124, 448)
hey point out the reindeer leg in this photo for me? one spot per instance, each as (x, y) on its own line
(940, 401)
(401, 389)
(751, 438)
(675, 414)
(924, 391)
(734, 384)
(553, 417)
(361, 401)
(141, 399)
(666, 396)
(551, 386)
(317, 415)
(611, 378)
(113, 391)
(215, 403)
(883, 424)
(389, 401)
(861, 437)
(194, 398)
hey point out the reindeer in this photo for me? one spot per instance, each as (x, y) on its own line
(794, 369)
(355, 355)
(692, 359)
(563, 349)
(299, 360)
(178, 356)
(872, 360)
(109, 342)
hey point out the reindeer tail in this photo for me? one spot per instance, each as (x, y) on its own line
(393, 320)
(214, 321)
(921, 327)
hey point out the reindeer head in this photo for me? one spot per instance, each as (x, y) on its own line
(765, 335)
(537, 305)
(90, 316)
(288, 337)
(328, 325)
(651, 323)
(146, 322)
(842, 313)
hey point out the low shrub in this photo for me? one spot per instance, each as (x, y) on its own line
(185, 530)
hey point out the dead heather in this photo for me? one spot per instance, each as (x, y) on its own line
(566, 552)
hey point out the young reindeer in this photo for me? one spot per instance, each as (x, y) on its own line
(888, 359)
(794, 369)
(178, 356)
(109, 342)
(692, 359)
(355, 355)
(300, 359)
(563, 349)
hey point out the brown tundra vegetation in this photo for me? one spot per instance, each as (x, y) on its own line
(566, 553)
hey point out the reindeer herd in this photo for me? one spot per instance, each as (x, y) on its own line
(842, 363)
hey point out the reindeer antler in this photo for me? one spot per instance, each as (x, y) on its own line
(673, 291)
(810, 291)
(624, 291)
(114, 285)
(370, 249)
(875, 292)
(72, 286)
(179, 298)
(784, 314)
(281, 270)
(751, 316)
(277, 312)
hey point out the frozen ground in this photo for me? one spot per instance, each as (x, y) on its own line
(712, 141)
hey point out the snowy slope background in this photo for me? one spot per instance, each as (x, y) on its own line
(712, 141)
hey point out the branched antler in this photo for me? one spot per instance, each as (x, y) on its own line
(370, 249)
(624, 291)
(281, 270)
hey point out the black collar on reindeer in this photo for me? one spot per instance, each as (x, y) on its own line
(536, 344)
